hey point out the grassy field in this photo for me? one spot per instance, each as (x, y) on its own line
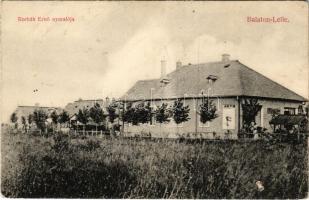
(65, 167)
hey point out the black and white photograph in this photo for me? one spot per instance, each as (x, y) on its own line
(154, 100)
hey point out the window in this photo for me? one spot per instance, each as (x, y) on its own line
(289, 111)
(228, 117)
(273, 111)
(300, 110)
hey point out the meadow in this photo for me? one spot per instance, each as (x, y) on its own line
(90, 167)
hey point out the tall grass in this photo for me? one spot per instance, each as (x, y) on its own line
(128, 168)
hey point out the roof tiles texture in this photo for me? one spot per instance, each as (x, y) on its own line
(232, 79)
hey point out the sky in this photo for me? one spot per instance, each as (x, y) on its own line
(111, 45)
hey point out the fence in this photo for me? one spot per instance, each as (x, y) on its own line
(88, 133)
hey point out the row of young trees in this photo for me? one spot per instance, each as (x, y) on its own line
(140, 113)
(95, 113)
(39, 118)
(143, 112)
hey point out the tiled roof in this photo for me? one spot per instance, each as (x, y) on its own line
(232, 78)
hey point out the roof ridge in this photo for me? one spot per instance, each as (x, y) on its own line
(200, 65)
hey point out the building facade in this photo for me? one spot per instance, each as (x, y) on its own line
(73, 108)
(25, 111)
(227, 83)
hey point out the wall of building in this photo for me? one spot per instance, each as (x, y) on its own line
(73, 108)
(263, 117)
(193, 127)
(25, 111)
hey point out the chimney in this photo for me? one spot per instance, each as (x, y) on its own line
(225, 57)
(163, 68)
(178, 65)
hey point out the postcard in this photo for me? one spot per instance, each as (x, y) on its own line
(158, 99)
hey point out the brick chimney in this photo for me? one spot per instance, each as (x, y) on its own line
(225, 57)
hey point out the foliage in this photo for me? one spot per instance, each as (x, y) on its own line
(207, 111)
(23, 121)
(63, 117)
(30, 119)
(112, 115)
(143, 112)
(134, 168)
(128, 113)
(39, 117)
(54, 116)
(163, 113)
(140, 113)
(83, 116)
(13, 118)
(180, 112)
(96, 113)
(250, 108)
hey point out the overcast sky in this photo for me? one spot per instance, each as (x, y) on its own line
(110, 45)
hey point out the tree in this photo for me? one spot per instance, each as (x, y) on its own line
(63, 117)
(39, 118)
(14, 119)
(30, 119)
(163, 113)
(129, 115)
(180, 112)
(83, 116)
(140, 113)
(250, 108)
(143, 112)
(207, 111)
(24, 122)
(54, 116)
(112, 115)
(96, 113)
